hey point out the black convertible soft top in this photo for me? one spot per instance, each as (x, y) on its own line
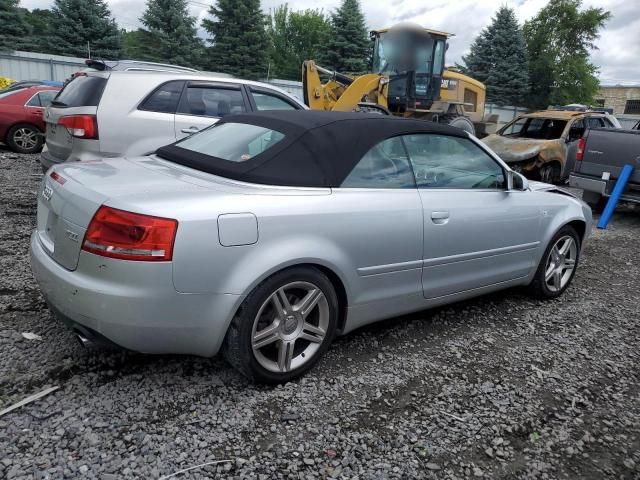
(319, 148)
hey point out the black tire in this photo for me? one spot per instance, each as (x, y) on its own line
(538, 286)
(237, 348)
(550, 173)
(17, 141)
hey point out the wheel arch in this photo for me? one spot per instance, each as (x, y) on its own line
(580, 226)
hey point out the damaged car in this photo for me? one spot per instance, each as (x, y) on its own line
(270, 233)
(539, 145)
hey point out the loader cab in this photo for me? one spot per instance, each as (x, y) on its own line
(413, 59)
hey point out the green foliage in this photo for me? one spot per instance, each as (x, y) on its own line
(78, 22)
(295, 36)
(348, 47)
(14, 29)
(136, 45)
(238, 38)
(40, 21)
(559, 39)
(170, 35)
(498, 58)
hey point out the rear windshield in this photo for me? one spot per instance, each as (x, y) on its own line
(235, 142)
(82, 91)
(536, 128)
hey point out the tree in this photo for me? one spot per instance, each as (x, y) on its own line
(14, 29)
(238, 38)
(347, 49)
(295, 37)
(559, 39)
(171, 35)
(81, 24)
(498, 58)
(40, 21)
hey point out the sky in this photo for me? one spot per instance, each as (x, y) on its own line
(616, 56)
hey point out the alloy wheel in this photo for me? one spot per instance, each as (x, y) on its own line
(25, 138)
(290, 327)
(561, 263)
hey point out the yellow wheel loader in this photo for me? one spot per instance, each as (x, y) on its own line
(409, 80)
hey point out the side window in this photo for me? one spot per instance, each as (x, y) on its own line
(266, 101)
(607, 123)
(515, 128)
(595, 122)
(164, 99)
(384, 166)
(577, 129)
(46, 97)
(212, 101)
(34, 101)
(441, 161)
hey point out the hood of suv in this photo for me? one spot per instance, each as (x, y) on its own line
(519, 149)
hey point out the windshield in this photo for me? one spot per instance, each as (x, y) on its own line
(235, 142)
(397, 51)
(536, 128)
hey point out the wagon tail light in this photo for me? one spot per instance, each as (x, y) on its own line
(581, 146)
(80, 126)
(130, 236)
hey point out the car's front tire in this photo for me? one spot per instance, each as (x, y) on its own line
(283, 327)
(25, 138)
(550, 173)
(558, 265)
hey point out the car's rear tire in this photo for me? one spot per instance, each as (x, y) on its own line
(558, 265)
(25, 138)
(283, 327)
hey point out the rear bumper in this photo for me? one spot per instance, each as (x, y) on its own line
(133, 304)
(588, 184)
(47, 160)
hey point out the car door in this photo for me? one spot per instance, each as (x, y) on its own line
(381, 228)
(203, 103)
(34, 108)
(476, 233)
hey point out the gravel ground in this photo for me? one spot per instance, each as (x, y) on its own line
(499, 387)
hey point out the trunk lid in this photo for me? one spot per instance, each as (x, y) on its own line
(67, 205)
(81, 96)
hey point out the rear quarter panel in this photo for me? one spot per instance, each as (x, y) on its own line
(125, 130)
(314, 227)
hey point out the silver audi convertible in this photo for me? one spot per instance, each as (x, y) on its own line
(268, 234)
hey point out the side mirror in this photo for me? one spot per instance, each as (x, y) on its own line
(516, 182)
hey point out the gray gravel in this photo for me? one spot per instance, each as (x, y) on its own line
(498, 387)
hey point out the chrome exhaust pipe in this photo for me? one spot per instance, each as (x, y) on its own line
(84, 341)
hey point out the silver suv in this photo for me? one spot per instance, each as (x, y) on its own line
(129, 113)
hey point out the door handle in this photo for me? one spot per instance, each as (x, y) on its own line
(439, 218)
(190, 130)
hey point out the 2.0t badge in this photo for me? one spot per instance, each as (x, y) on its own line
(47, 192)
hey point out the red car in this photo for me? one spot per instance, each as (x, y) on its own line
(21, 124)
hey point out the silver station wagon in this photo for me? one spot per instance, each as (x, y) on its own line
(268, 234)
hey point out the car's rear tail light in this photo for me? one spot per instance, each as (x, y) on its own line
(130, 236)
(581, 146)
(58, 178)
(80, 126)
